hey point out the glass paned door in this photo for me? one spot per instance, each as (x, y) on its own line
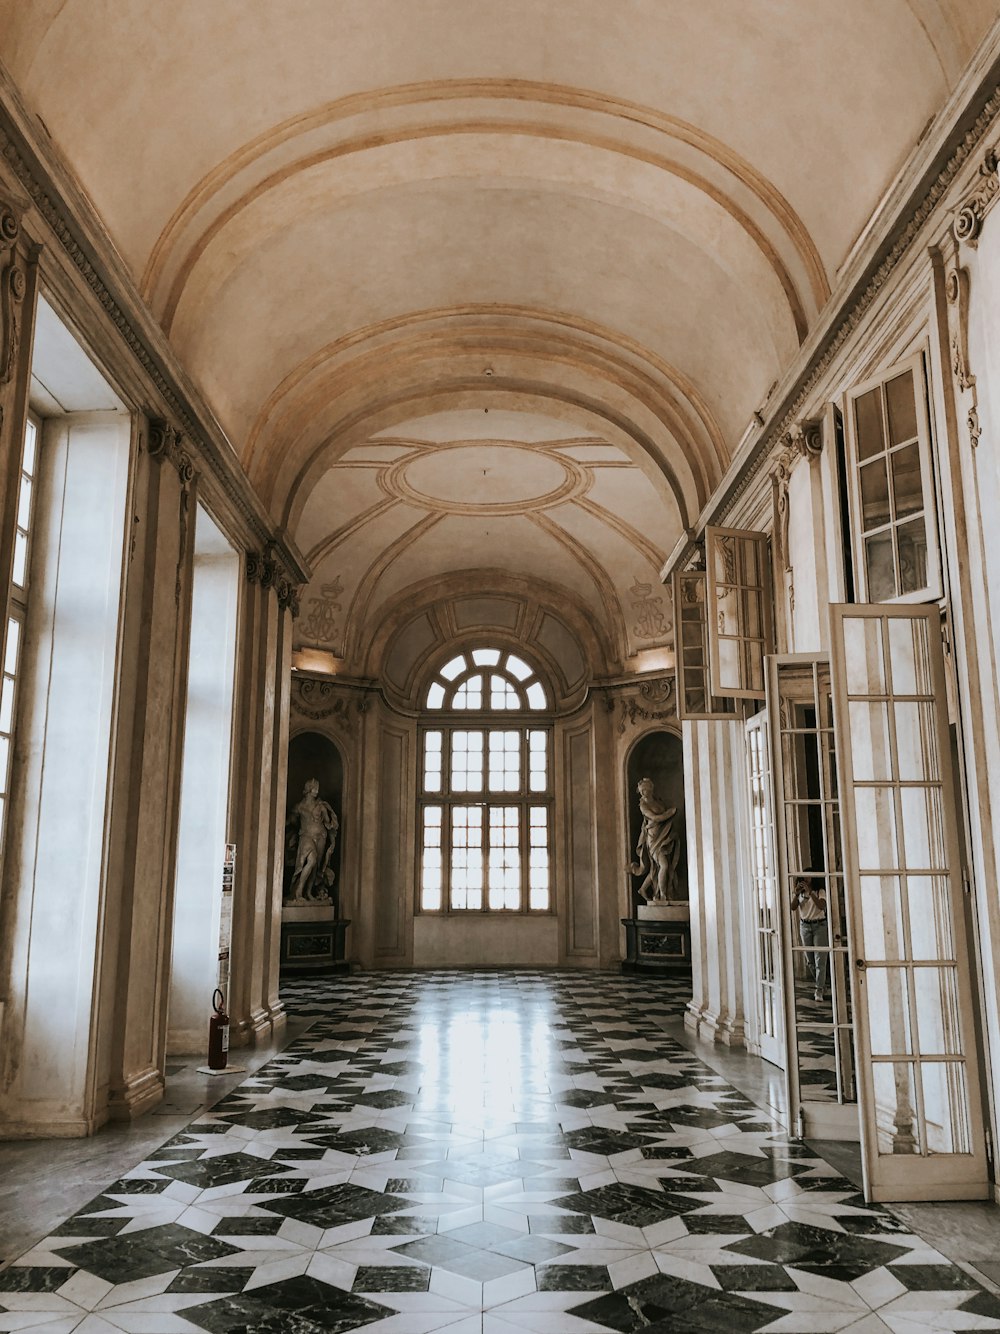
(765, 921)
(822, 1089)
(921, 1124)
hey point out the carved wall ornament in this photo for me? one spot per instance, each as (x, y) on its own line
(651, 620)
(974, 208)
(956, 288)
(165, 442)
(321, 700)
(321, 624)
(13, 286)
(264, 568)
(805, 438)
(656, 701)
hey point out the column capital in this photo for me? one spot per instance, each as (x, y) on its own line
(264, 568)
(166, 442)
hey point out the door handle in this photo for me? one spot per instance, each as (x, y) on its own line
(860, 965)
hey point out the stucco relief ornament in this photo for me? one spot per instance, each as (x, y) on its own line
(14, 286)
(321, 624)
(656, 702)
(956, 288)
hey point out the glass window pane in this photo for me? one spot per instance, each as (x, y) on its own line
(469, 694)
(24, 504)
(880, 567)
(875, 818)
(902, 409)
(896, 1128)
(466, 761)
(20, 569)
(909, 657)
(881, 918)
(518, 668)
(30, 440)
(7, 704)
(931, 932)
(907, 489)
(869, 726)
(863, 656)
(889, 1011)
(536, 695)
(435, 696)
(911, 540)
(453, 668)
(874, 495)
(946, 1107)
(13, 641)
(486, 657)
(868, 420)
(939, 1030)
(924, 843)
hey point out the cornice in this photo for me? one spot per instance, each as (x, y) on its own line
(962, 127)
(76, 234)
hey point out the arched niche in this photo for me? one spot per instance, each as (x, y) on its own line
(658, 755)
(313, 755)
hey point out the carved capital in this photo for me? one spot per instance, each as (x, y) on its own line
(977, 204)
(806, 438)
(263, 567)
(165, 444)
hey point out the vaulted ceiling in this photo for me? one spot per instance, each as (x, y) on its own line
(490, 287)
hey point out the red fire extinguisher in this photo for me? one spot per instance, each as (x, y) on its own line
(218, 1033)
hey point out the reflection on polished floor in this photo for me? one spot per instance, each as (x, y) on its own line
(485, 1153)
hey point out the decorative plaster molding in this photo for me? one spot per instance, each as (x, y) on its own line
(977, 204)
(13, 286)
(74, 236)
(956, 290)
(322, 700)
(264, 568)
(164, 442)
(656, 702)
(894, 251)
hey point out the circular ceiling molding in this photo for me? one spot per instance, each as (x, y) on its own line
(481, 478)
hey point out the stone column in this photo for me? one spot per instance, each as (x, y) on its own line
(146, 799)
(714, 799)
(263, 671)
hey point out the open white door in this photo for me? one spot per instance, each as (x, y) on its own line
(818, 1009)
(764, 913)
(921, 1112)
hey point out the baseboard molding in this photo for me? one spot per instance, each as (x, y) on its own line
(138, 1095)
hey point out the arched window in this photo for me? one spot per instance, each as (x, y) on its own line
(486, 787)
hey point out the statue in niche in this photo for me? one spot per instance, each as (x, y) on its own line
(311, 831)
(658, 848)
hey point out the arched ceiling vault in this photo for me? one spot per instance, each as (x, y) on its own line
(559, 249)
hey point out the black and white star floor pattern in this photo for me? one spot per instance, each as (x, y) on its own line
(485, 1153)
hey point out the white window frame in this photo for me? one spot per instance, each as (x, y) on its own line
(932, 589)
(447, 721)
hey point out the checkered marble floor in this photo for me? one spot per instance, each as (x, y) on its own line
(485, 1153)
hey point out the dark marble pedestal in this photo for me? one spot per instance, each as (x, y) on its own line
(656, 946)
(312, 941)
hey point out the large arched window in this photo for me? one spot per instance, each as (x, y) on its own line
(486, 787)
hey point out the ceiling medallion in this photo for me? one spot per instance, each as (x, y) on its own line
(485, 478)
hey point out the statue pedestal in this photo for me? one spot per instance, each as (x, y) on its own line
(663, 912)
(312, 939)
(658, 939)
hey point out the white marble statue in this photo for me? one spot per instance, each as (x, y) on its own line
(658, 848)
(316, 837)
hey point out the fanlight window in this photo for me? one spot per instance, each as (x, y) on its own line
(490, 679)
(486, 790)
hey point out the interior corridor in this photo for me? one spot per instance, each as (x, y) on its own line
(487, 1152)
